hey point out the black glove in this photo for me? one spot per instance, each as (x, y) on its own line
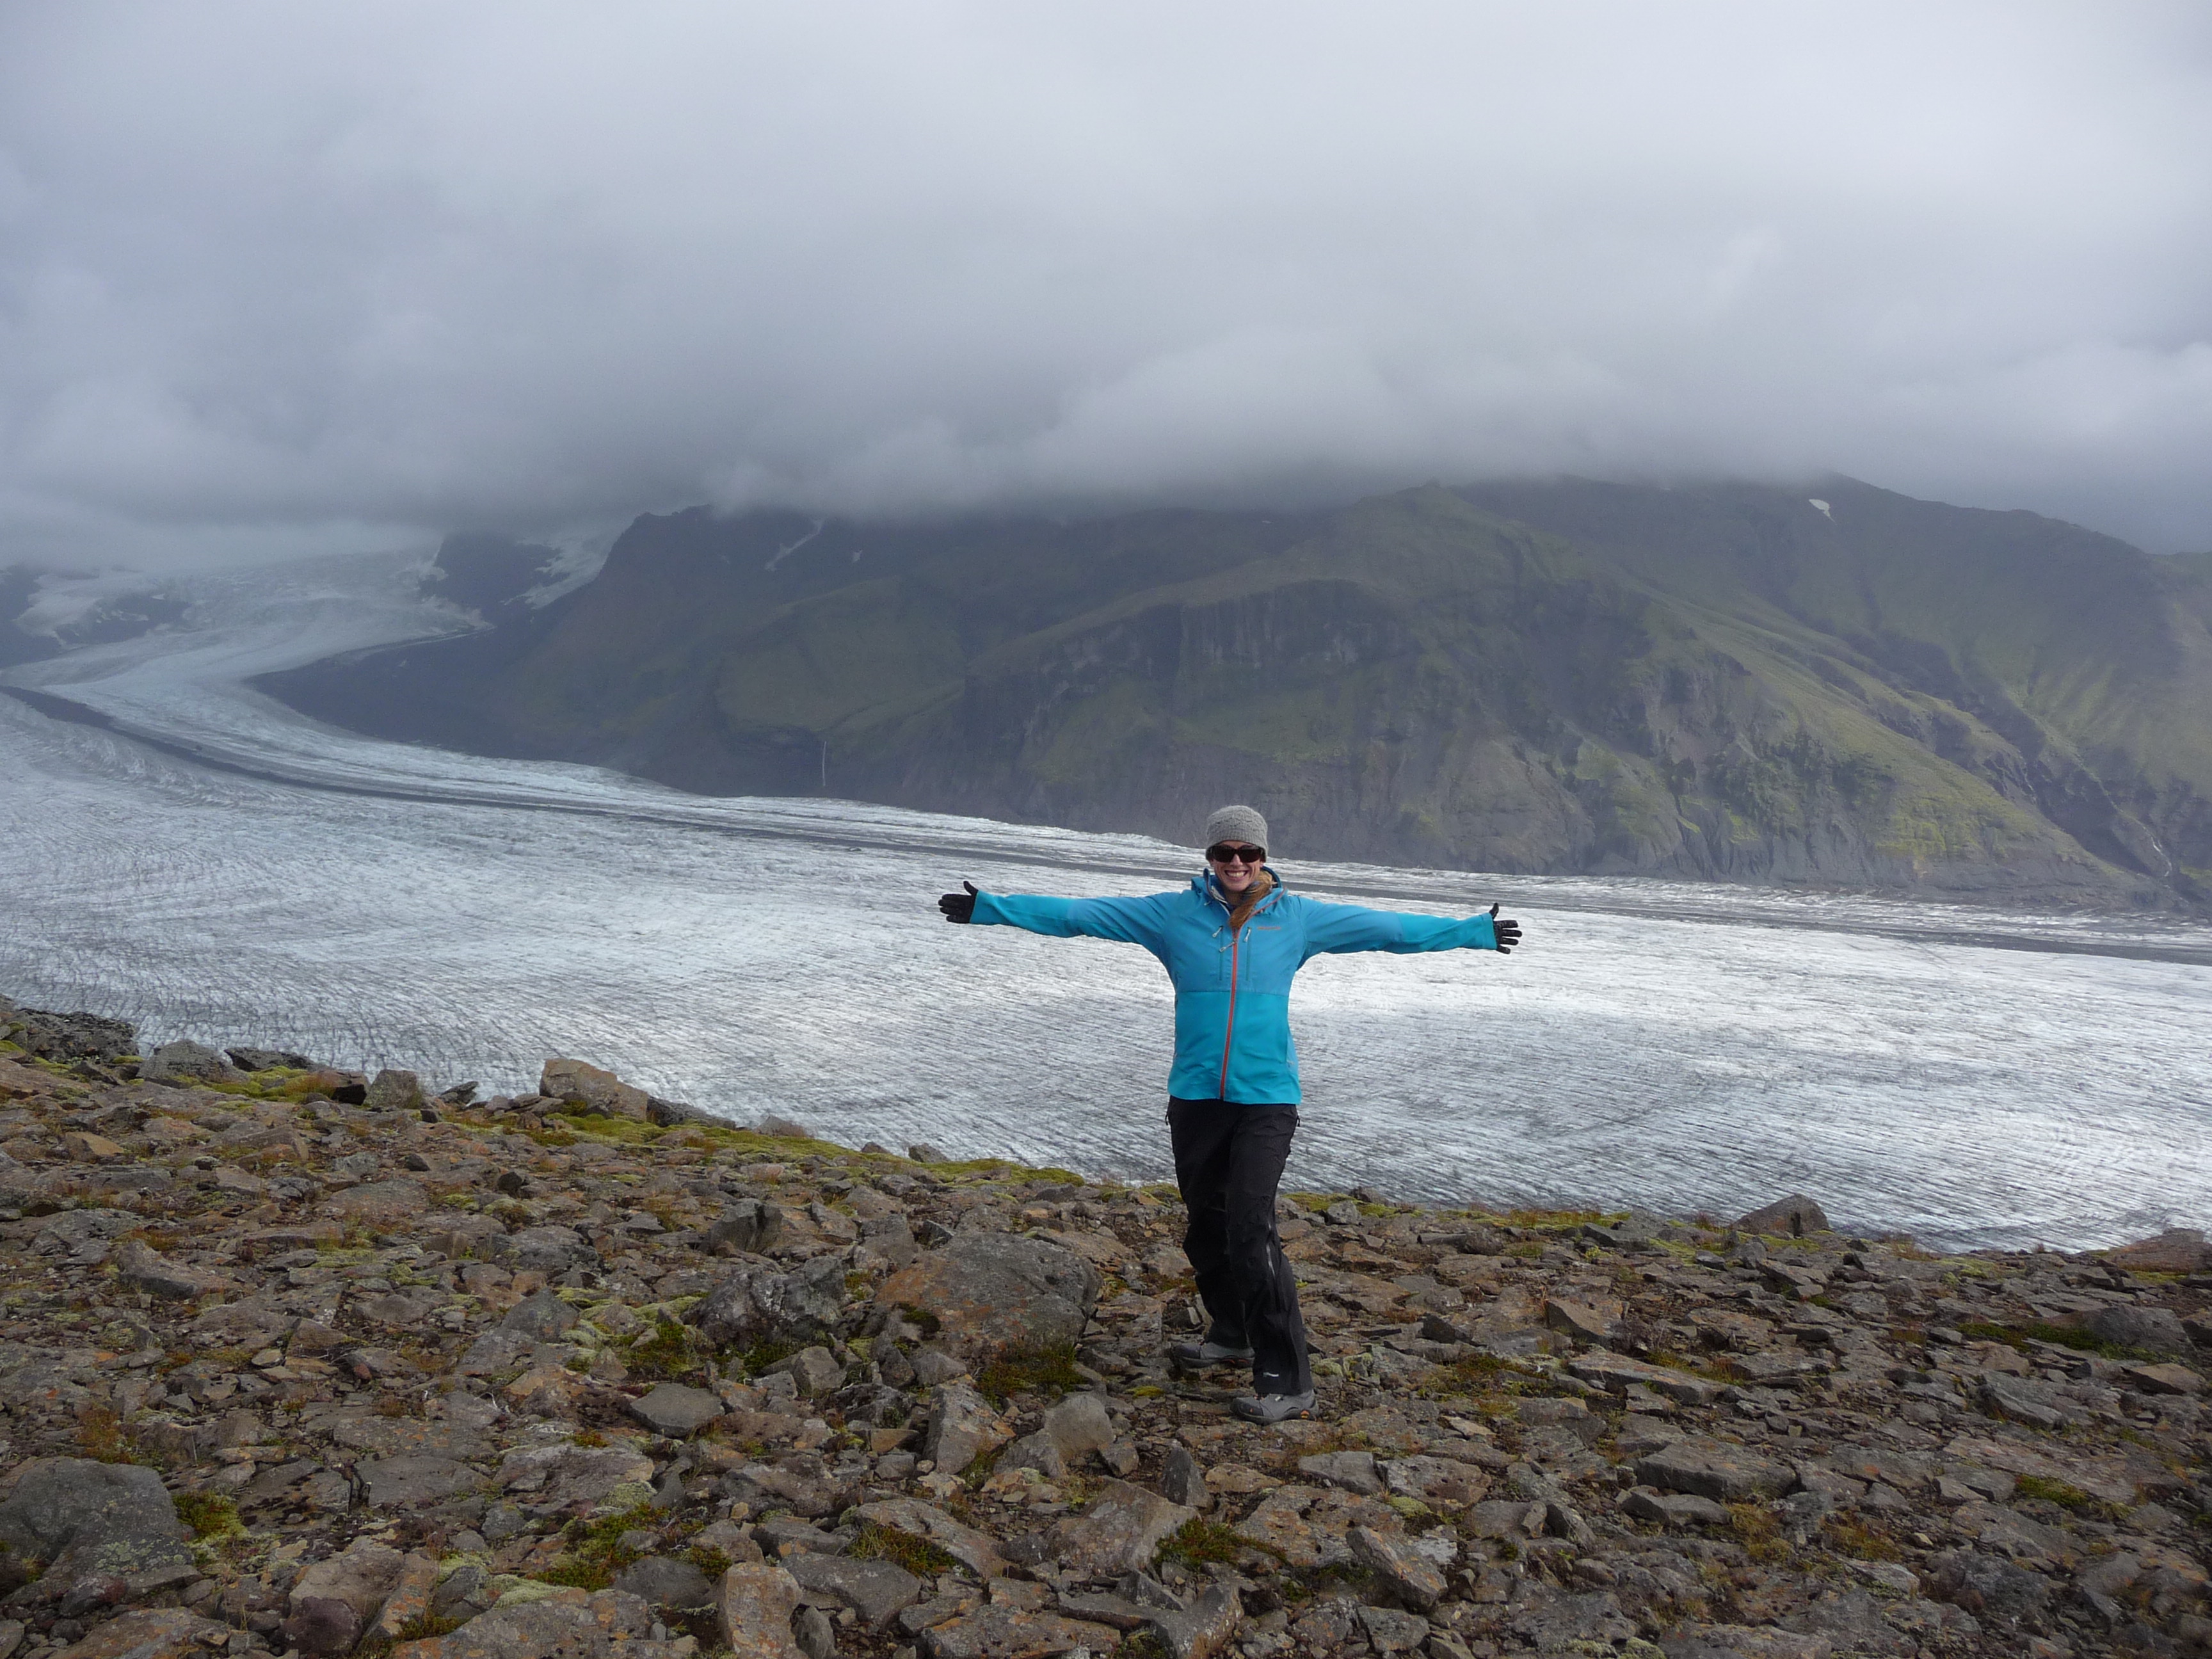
(1509, 932)
(959, 907)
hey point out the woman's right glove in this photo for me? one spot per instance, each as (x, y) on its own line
(959, 907)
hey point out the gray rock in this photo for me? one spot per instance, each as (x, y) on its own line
(270, 1059)
(999, 1632)
(145, 1269)
(606, 1625)
(1410, 1575)
(815, 1370)
(1672, 1509)
(753, 1604)
(2026, 1400)
(1392, 1631)
(2157, 1330)
(1988, 1586)
(666, 1583)
(1035, 1451)
(759, 1304)
(1078, 1426)
(750, 1226)
(1182, 1480)
(411, 1479)
(676, 1410)
(1795, 1216)
(1120, 1532)
(541, 1315)
(875, 1590)
(68, 1036)
(575, 1082)
(185, 1062)
(87, 1520)
(977, 1550)
(991, 1291)
(549, 1250)
(816, 1635)
(922, 1152)
(394, 1090)
(1715, 1469)
(1354, 1471)
(1207, 1626)
(961, 1427)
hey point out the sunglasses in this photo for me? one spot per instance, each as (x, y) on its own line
(1230, 855)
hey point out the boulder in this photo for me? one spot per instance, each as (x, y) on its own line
(1354, 1471)
(1002, 1631)
(380, 1202)
(148, 1634)
(2176, 1250)
(759, 1304)
(1715, 1469)
(750, 1226)
(87, 1520)
(815, 1370)
(68, 1036)
(1411, 1576)
(394, 1090)
(676, 1410)
(989, 1291)
(551, 1250)
(922, 1152)
(876, 1590)
(666, 1583)
(1207, 1626)
(581, 1084)
(1988, 1586)
(961, 1427)
(2152, 1329)
(1078, 1426)
(974, 1550)
(1182, 1480)
(187, 1062)
(142, 1268)
(334, 1600)
(1121, 1532)
(602, 1624)
(1795, 1216)
(753, 1606)
(270, 1059)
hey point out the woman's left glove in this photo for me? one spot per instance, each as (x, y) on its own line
(959, 907)
(1508, 930)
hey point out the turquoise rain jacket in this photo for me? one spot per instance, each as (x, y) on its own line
(1233, 991)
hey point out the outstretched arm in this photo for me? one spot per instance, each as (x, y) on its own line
(1126, 920)
(1339, 928)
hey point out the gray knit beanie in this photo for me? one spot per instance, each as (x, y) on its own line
(1235, 823)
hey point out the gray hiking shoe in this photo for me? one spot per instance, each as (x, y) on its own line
(1208, 1352)
(1274, 1408)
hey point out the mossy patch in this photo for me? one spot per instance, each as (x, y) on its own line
(901, 1549)
(1030, 1371)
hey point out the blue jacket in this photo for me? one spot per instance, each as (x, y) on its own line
(1233, 993)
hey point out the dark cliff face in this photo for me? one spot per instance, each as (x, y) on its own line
(1728, 682)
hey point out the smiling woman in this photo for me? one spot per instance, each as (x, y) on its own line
(1231, 944)
(335, 275)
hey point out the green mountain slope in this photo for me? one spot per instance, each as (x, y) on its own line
(1727, 681)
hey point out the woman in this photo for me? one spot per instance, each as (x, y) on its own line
(1231, 942)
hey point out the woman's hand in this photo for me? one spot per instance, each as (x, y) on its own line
(959, 907)
(1509, 932)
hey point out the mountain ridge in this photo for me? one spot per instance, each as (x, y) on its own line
(1724, 682)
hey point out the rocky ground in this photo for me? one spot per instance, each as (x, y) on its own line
(297, 1361)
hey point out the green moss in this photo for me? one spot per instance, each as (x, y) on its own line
(2062, 1336)
(209, 1515)
(917, 1555)
(1030, 1370)
(1200, 1540)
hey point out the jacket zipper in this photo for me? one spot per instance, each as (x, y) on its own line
(1228, 1032)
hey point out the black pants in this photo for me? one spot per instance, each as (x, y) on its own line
(1228, 1161)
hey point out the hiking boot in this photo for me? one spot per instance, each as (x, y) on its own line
(1195, 1355)
(1274, 1408)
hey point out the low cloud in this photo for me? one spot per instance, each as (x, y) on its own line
(277, 278)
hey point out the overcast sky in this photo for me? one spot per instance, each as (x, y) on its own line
(277, 277)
